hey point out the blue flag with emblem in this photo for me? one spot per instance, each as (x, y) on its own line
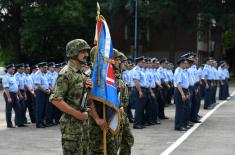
(104, 85)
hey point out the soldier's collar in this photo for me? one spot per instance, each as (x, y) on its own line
(73, 66)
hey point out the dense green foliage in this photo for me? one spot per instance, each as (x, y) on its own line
(31, 30)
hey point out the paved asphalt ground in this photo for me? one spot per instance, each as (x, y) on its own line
(215, 136)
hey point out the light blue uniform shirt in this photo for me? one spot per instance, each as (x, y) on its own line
(150, 78)
(138, 74)
(52, 76)
(28, 81)
(125, 77)
(221, 73)
(131, 80)
(41, 79)
(199, 71)
(9, 82)
(191, 76)
(162, 74)
(216, 74)
(195, 73)
(181, 77)
(226, 73)
(206, 72)
(32, 76)
(20, 80)
(157, 76)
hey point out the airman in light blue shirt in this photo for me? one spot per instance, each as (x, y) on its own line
(41, 79)
(9, 82)
(19, 75)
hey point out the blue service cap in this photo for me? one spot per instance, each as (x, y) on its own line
(10, 66)
(42, 64)
(26, 65)
(163, 60)
(51, 64)
(19, 65)
(138, 59)
(181, 60)
(57, 65)
(186, 55)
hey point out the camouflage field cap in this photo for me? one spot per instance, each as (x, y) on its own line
(92, 53)
(119, 55)
(75, 46)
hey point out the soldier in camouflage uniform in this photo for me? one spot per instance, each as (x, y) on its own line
(124, 140)
(125, 137)
(96, 134)
(66, 96)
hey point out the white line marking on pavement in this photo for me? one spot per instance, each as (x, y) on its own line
(179, 141)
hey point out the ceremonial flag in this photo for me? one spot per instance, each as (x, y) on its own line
(104, 85)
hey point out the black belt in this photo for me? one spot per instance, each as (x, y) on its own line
(12, 93)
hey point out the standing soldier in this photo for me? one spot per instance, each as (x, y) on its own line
(181, 94)
(207, 76)
(139, 92)
(50, 109)
(66, 96)
(10, 94)
(158, 87)
(127, 78)
(222, 76)
(42, 93)
(19, 75)
(151, 110)
(164, 90)
(29, 89)
(226, 80)
(125, 137)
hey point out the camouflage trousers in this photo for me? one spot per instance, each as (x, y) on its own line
(123, 141)
(75, 136)
(126, 138)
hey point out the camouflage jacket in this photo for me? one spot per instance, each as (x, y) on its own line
(122, 90)
(68, 87)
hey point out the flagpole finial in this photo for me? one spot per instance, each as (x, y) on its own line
(98, 8)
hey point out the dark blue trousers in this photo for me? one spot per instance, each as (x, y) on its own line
(41, 102)
(30, 105)
(162, 100)
(222, 91)
(49, 111)
(226, 88)
(139, 107)
(151, 108)
(207, 98)
(130, 104)
(180, 111)
(15, 105)
(195, 102)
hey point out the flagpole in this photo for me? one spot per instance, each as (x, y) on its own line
(104, 110)
(104, 131)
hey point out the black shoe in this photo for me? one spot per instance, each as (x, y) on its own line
(157, 122)
(138, 127)
(22, 125)
(10, 126)
(187, 127)
(40, 126)
(199, 117)
(196, 121)
(181, 129)
(49, 124)
(147, 124)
